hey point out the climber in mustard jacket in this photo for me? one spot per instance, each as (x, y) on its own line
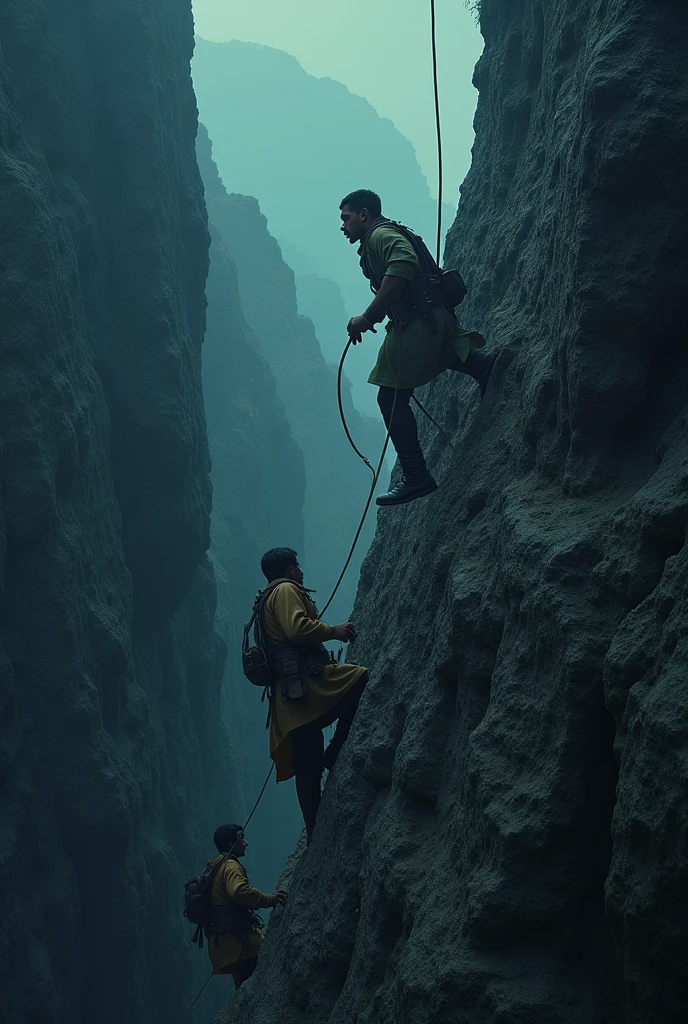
(423, 337)
(309, 691)
(236, 935)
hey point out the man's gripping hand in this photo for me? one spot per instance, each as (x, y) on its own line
(345, 632)
(278, 899)
(357, 327)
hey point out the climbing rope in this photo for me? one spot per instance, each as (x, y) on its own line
(260, 797)
(376, 472)
(201, 991)
(438, 125)
(442, 431)
(343, 416)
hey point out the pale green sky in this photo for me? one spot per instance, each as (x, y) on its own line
(379, 49)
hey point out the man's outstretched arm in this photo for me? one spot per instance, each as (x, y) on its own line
(292, 614)
(241, 892)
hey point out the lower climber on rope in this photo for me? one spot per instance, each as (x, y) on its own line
(308, 691)
(423, 337)
(235, 932)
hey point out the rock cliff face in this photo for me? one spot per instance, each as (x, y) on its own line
(503, 841)
(110, 667)
(337, 483)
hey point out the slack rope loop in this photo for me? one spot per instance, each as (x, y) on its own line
(341, 409)
(438, 125)
(376, 472)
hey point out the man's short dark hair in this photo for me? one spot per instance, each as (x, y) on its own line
(363, 197)
(276, 561)
(225, 836)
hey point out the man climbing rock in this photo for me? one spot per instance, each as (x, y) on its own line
(423, 337)
(309, 691)
(235, 934)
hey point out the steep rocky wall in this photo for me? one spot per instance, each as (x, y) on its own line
(337, 483)
(110, 737)
(504, 837)
(254, 459)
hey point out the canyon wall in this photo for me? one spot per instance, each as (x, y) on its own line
(503, 839)
(111, 742)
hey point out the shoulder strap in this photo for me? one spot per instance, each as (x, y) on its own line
(371, 232)
(211, 871)
(418, 244)
(209, 876)
(258, 606)
(425, 257)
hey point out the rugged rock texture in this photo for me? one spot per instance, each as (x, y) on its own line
(504, 837)
(110, 740)
(337, 482)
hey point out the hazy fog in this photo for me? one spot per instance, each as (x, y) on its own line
(379, 50)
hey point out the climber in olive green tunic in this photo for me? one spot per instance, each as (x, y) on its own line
(290, 620)
(423, 337)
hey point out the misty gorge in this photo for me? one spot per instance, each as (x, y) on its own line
(470, 803)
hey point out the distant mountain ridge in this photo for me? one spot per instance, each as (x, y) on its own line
(299, 144)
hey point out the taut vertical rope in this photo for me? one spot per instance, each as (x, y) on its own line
(433, 25)
(376, 473)
(188, 1012)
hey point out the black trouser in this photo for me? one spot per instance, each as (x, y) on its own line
(309, 757)
(244, 969)
(403, 429)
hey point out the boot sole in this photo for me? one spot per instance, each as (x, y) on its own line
(423, 493)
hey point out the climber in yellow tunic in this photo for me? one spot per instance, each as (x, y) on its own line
(234, 946)
(290, 624)
(423, 337)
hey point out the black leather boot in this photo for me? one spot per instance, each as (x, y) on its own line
(478, 365)
(416, 481)
(407, 490)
